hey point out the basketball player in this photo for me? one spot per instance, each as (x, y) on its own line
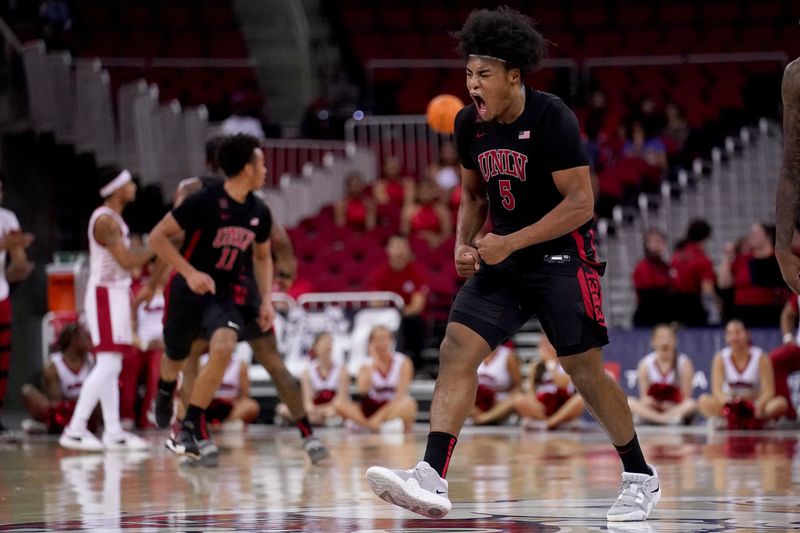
(523, 159)
(264, 345)
(227, 230)
(108, 314)
(788, 197)
(665, 382)
(14, 267)
(742, 383)
(62, 379)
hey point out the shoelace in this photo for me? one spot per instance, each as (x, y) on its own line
(628, 490)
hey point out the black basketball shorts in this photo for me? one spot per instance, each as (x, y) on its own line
(563, 291)
(189, 316)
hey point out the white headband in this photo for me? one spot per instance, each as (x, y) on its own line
(116, 184)
(488, 57)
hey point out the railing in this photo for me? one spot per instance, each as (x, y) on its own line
(290, 156)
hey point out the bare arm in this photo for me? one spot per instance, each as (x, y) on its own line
(644, 380)
(161, 241)
(788, 195)
(262, 269)
(406, 375)
(285, 262)
(364, 379)
(52, 385)
(417, 304)
(108, 234)
(767, 382)
(473, 208)
(305, 390)
(515, 372)
(788, 320)
(686, 375)
(718, 379)
(244, 380)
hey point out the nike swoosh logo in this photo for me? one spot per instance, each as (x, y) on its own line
(441, 491)
(234, 326)
(479, 135)
(657, 489)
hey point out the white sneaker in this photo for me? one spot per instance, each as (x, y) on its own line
(534, 424)
(33, 427)
(124, 441)
(420, 489)
(638, 494)
(395, 425)
(83, 441)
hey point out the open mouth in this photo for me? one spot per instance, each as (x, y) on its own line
(480, 103)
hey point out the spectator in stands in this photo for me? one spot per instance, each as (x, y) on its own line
(242, 119)
(357, 209)
(693, 278)
(426, 217)
(393, 188)
(499, 383)
(324, 384)
(653, 284)
(552, 401)
(649, 117)
(742, 384)
(445, 172)
(404, 276)
(758, 288)
(650, 149)
(232, 406)
(56, 18)
(676, 131)
(51, 403)
(383, 383)
(665, 382)
(786, 358)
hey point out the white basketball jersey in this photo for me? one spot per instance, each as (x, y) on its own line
(654, 373)
(327, 383)
(495, 374)
(229, 389)
(104, 270)
(8, 222)
(70, 381)
(747, 382)
(150, 317)
(384, 387)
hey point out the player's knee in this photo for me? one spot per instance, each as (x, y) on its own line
(223, 341)
(451, 352)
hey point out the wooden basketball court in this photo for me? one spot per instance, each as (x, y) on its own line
(501, 479)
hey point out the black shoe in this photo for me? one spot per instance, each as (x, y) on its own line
(182, 441)
(209, 454)
(163, 409)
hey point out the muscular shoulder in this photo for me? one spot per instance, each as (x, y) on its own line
(551, 107)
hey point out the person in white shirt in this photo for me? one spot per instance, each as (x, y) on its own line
(232, 406)
(742, 383)
(665, 382)
(14, 267)
(52, 404)
(384, 388)
(499, 381)
(108, 315)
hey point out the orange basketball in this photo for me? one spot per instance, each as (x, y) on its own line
(441, 112)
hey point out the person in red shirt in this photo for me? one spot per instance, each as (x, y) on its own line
(758, 289)
(357, 209)
(653, 284)
(404, 276)
(693, 277)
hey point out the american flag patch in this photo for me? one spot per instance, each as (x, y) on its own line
(525, 134)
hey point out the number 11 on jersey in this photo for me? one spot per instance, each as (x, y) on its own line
(227, 259)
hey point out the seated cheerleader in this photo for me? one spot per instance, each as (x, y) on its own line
(552, 402)
(232, 406)
(323, 384)
(742, 384)
(51, 406)
(665, 382)
(383, 384)
(499, 380)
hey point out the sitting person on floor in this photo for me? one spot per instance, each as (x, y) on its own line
(232, 406)
(51, 405)
(383, 384)
(742, 384)
(552, 402)
(499, 380)
(665, 382)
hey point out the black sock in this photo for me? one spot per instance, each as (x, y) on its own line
(166, 388)
(304, 426)
(195, 421)
(632, 458)
(438, 452)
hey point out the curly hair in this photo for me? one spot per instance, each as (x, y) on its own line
(235, 152)
(505, 34)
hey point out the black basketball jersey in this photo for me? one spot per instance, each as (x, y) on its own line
(220, 233)
(516, 162)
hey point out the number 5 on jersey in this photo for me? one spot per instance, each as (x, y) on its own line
(505, 192)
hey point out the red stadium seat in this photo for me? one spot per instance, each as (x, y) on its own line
(176, 17)
(633, 16)
(588, 18)
(142, 44)
(136, 16)
(185, 44)
(228, 44)
(676, 14)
